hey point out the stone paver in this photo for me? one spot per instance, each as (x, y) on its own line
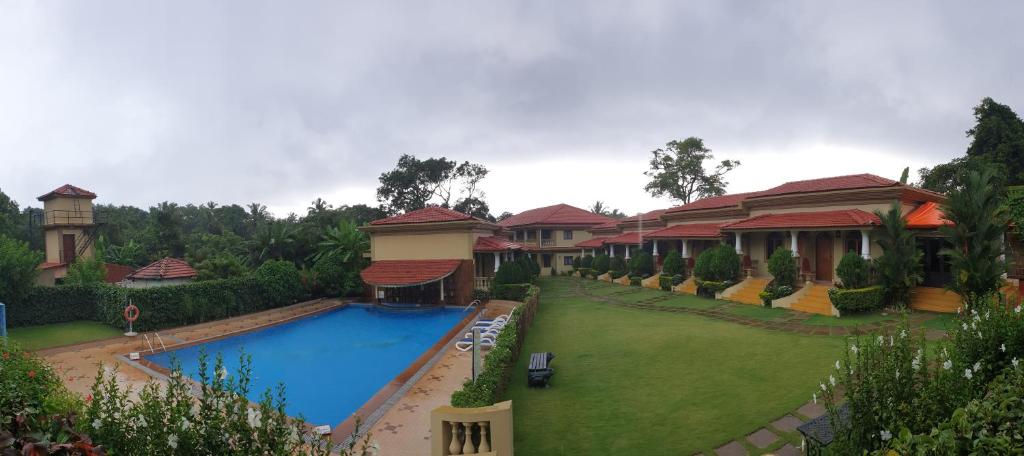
(733, 448)
(811, 410)
(788, 450)
(787, 423)
(762, 438)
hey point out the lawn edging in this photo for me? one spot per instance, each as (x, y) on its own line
(498, 363)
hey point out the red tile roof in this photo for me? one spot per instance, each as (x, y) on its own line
(693, 230)
(559, 214)
(632, 237)
(430, 214)
(714, 202)
(48, 265)
(646, 216)
(68, 190)
(592, 243)
(164, 269)
(822, 219)
(927, 216)
(826, 184)
(117, 272)
(404, 273)
(494, 244)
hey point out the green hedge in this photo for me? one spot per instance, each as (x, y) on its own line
(857, 299)
(500, 359)
(710, 287)
(718, 264)
(511, 292)
(46, 305)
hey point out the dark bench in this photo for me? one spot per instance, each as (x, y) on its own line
(540, 372)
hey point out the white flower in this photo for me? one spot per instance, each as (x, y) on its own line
(881, 340)
(254, 418)
(979, 334)
(897, 374)
(172, 441)
(968, 374)
(1014, 361)
(185, 424)
(96, 423)
(890, 341)
(903, 333)
(831, 380)
(854, 349)
(814, 397)
(1016, 309)
(965, 326)
(141, 422)
(837, 364)
(823, 387)
(222, 373)
(977, 366)
(886, 435)
(1002, 348)
(947, 365)
(915, 363)
(293, 436)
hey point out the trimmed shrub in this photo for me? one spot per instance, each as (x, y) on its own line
(587, 262)
(46, 305)
(31, 392)
(330, 277)
(772, 292)
(677, 279)
(530, 265)
(857, 299)
(782, 267)
(854, 271)
(665, 282)
(617, 266)
(635, 280)
(511, 292)
(673, 264)
(280, 281)
(718, 264)
(712, 287)
(577, 263)
(511, 272)
(601, 264)
(642, 264)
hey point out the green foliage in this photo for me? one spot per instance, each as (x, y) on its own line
(76, 302)
(279, 281)
(773, 292)
(718, 264)
(587, 261)
(710, 287)
(481, 295)
(635, 281)
(414, 183)
(85, 271)
(512, 272)
(531, 265)
(223, 266)
(673, 264)
(500, 359)
(899, 267)
(677, 171)
(977, 234)
(511, 292)
(576, 263)
(855, 300)
(617, 267)
(332, 276)
(665, 282)
(601, 264)
(169, 419)
(17, 269)
(782, 267)
(642, 264)
(10, 223)
(854, 271)
(29, 387)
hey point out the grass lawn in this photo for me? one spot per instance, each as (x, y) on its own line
(849, 320)
(631, 381)
(941, 322)
(759, 312)
(57, 334)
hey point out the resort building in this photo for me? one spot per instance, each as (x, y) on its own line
(550, 235)
(161, 273)
(69, 230)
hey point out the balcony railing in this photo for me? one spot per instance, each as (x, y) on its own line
(547, 242)
(68, 217)
(482, 283)
(478, 431)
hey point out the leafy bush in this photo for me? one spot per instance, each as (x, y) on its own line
(673, 264)
(511, 292)
(223, 266)
(530, 265)
(587, 261)
(85, 271)
(677, 279)
(577, 263)
(17, 269)
(782, 267)
(76, 302)
(601, 264)
(665, 282)
(857, 299)
(642, 264)
(899, 267)
(280, 281)
(617, 266)
(635, 280)
(499, 361)
(708, 288)
(511, 272)
(30, 389)
(718, 264)
(481, 295)
(854, 271)
(772, 292)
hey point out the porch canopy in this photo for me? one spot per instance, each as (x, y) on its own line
(928, 216)
(849, 218)
(592, 243)
(491, 244)
(689, 231)
(407, 273)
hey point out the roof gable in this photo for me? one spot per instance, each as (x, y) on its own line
(164, 269)
(68, 190)
(559, 214)
(430, 214)
(826, 184)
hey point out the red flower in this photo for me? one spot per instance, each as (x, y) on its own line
(7, 355)
(88, 398)
(31, 374)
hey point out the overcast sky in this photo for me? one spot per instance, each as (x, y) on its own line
(282, 102)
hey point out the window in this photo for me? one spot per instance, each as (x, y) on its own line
(530, 235)
(567, 260)
(545, 234)
(772, 242)
(546, 258)
(852, 243)
(567, 235)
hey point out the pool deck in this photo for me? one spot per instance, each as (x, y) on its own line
(404, 429)
(77, 364)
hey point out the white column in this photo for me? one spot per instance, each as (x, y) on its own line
(865, 244)
(582, 253)
(497, 261)
(1002, 256)
(627, 251)
(593, 252)
(655, 252)
(442, 289)
(739, 243)
(792, 242)
(686, 248)
(609, 250)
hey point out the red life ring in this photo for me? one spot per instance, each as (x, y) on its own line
(131, 313)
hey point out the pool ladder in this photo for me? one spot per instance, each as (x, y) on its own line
(158, 339)
(476, 302)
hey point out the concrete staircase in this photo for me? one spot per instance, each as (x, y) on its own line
(748, 294)
(934, 299)
(814, 300)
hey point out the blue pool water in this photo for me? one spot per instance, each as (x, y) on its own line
(330, 363)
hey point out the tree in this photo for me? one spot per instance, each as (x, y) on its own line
(130, 254)
(222, 266)
(414, 183)
(720, 263)
(344, 241)
(853, 271)
(476, 207)
(601, 209)
(10, 217)
(678, 171)
(899, 267)
(17, 269)
(673, 264)
(976, 237)
(166, 225)
(601, 264)
(86, 271)
(274, 241)
(641, 264)
(503, 216)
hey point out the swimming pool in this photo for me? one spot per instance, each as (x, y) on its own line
(330, 363)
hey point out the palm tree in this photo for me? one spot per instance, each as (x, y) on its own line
(345, 241)
(976, 255)
(257, 215)
(274, 241)
(899, 267)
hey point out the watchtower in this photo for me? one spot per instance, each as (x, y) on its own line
(69, 224)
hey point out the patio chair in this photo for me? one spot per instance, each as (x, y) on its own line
(539, 373)
(466, 344)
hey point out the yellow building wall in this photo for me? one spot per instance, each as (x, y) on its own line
(754, 245)
(422, 246)
(53, 238)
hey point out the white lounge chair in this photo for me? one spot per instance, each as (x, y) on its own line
(467, 343)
